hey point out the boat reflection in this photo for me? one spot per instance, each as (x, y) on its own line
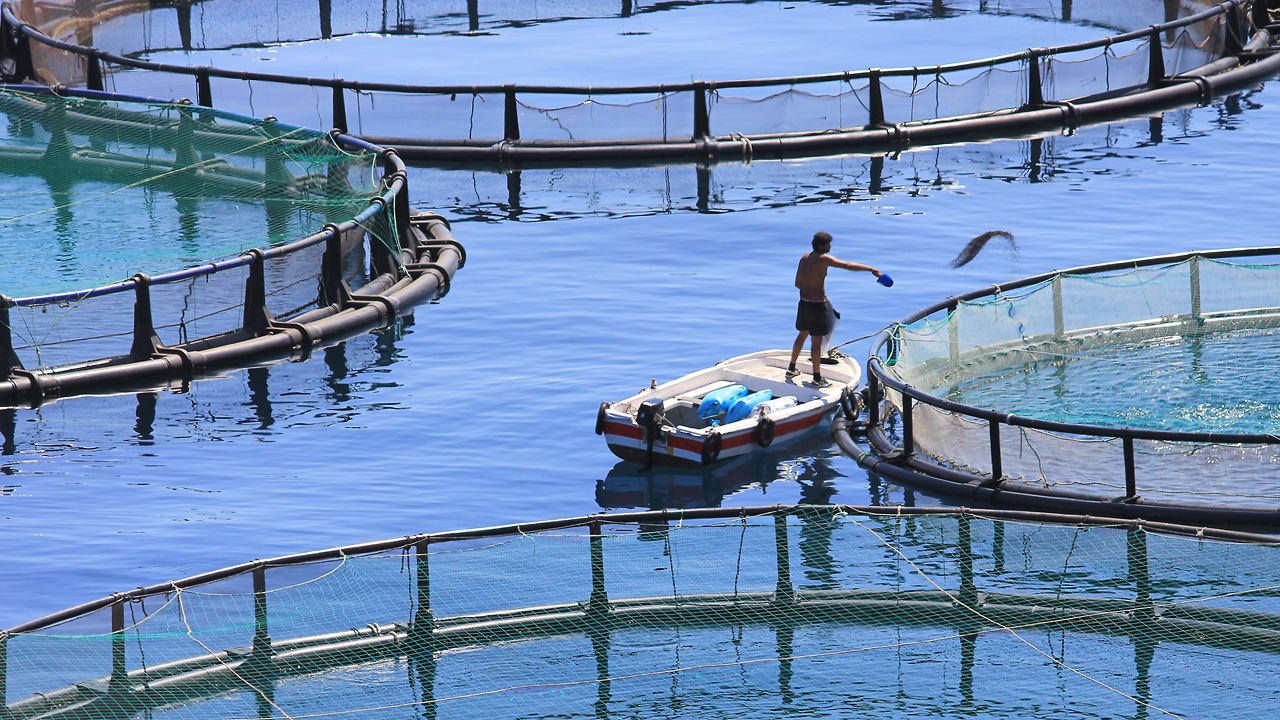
(804, 461)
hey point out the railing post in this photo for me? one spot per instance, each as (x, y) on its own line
(785, 592)
(877, 100)
(14, 44)
(93, 72)
(1130, 472)
(1261, 14)
(333, 290)
(1233, 42)
(598, 605)
(119, 672)
(1035, 90)
(701, 118)
(8, 358)
(1059, 324)
(256, 315)
(261, 633)
(873, 399)
(1155, 66)
(339, 106)
(1194, 272)
(997, 468)
(204, 91)
(511, 118)
(145, 340)
(908, 435)
(953, 333)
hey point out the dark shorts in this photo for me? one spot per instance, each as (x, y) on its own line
(815, 317)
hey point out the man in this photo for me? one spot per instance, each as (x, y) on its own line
(815, 315)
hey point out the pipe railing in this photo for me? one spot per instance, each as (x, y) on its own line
(398, 265)
(880, 377)
(1231, 11)
(431, 631)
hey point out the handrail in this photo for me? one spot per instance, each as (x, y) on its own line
(34, 33)
(641, 517)
(876, 368)
(394, 182)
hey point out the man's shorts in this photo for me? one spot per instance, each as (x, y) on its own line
(815, 317)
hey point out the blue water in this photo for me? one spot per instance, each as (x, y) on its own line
(479, 410)
(1190, 385)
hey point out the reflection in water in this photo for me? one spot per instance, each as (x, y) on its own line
(530, 193)
(349, 373)
(629, 486)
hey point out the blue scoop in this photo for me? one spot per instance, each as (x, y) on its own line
(885, 280)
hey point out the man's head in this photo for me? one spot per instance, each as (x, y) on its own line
(822, 241)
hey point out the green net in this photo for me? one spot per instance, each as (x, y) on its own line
(805, 612)
(101, 189)
(1175, 347)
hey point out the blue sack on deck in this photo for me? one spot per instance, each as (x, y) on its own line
(716, 401)
(742, 407)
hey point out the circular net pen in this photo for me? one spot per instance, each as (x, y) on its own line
(1138, 388)
(1217, 48)
(271, 226)
(743, 612)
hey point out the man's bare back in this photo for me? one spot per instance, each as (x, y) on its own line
(811, 274)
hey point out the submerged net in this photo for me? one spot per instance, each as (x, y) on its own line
(807, 612)
(99, 190)
(1179, 347)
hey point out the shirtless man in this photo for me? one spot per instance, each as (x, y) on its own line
(814, 316)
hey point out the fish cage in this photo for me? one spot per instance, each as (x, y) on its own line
(1185, 59)
(740, 612)
(148, 242)
(1139, 388)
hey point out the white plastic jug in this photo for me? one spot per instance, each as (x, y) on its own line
(769, 407)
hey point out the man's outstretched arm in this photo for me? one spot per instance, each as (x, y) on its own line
(853, 266)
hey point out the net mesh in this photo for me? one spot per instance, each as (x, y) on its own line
(1171, 347)
(807, 611)
(131, 27)
(658, 115)
(105, 189)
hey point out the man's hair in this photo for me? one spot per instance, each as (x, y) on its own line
(821, 238)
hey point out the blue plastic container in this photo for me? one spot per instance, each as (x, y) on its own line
(742, 407)
(885, 280)
(717, 401)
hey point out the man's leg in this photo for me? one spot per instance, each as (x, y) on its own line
(815, 354)
(795, 353)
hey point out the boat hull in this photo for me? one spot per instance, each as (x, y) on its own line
(673, 443)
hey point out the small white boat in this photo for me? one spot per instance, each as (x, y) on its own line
(735, 407)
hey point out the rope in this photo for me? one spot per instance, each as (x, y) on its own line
(1012, 629)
